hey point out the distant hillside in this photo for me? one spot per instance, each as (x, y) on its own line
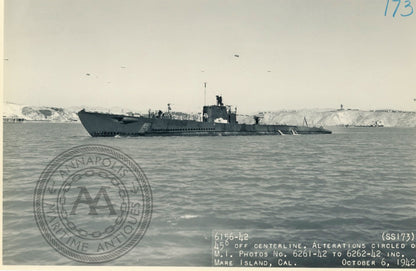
(38, 113)
(388, 118)
(325, 118)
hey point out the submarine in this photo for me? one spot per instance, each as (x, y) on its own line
(217, 120)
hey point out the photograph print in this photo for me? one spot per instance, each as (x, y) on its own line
(209, 133)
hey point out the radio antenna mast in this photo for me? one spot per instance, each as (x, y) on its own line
(205, 93)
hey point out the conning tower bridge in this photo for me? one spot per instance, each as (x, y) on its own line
(219, 112)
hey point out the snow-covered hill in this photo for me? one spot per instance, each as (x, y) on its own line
(319, 117)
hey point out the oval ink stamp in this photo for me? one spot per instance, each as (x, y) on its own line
(93, 203)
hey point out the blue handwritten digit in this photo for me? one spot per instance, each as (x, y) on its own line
(387, 6)
(408, 5)
(397, 7)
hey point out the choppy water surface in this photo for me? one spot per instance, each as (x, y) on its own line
(348, 186)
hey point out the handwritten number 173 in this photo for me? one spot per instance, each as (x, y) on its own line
(407, 5)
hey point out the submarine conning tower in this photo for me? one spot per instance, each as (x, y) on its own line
(214, 113)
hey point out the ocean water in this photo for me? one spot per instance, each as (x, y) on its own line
(348, 186)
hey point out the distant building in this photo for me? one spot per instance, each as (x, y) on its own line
(12, 119)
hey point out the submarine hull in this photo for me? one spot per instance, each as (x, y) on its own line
(109, 125)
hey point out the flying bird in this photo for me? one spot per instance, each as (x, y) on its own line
(87, 74)
(236, 55)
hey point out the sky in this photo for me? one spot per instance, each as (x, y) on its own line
(261, 55)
